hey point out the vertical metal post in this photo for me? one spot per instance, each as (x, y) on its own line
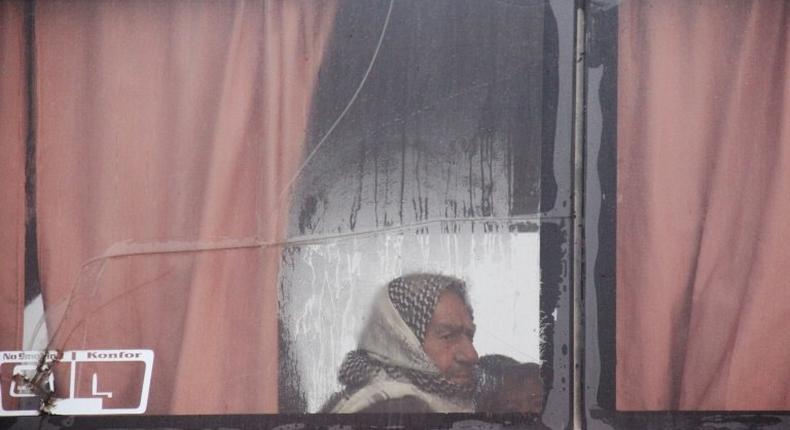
(578, 216)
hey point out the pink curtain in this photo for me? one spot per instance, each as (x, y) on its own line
(166, 133)
(13, 109)
(703, 262)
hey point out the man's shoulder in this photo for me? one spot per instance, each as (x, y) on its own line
(402, 405)
(382, 395)
(389, 396)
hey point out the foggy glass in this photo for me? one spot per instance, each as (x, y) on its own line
(427, 139)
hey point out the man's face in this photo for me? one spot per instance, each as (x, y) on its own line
(448, 339)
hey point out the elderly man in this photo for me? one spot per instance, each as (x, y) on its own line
(415, 353)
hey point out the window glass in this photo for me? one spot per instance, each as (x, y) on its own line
(271, 207)
(431, 151)
(684, 243)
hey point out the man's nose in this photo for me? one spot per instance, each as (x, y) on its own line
(466, 353)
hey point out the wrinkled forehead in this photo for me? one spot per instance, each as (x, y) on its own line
(452, 314)
(460, 292)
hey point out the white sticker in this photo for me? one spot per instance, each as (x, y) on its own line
(92, 376)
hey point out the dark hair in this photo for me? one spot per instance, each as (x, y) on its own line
(494, 370)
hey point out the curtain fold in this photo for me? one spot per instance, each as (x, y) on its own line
(703, 169)
(13, 115)
(166, 134)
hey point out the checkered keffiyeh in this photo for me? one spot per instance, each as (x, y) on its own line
(414, 297)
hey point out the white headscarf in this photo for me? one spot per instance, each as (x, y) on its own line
(390, 346)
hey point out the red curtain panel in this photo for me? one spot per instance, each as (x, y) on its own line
(166, 134)
(13, 129)
(703, 262)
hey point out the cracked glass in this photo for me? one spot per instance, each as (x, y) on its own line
(431, 153)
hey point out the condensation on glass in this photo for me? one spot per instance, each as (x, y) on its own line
(431, 144)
